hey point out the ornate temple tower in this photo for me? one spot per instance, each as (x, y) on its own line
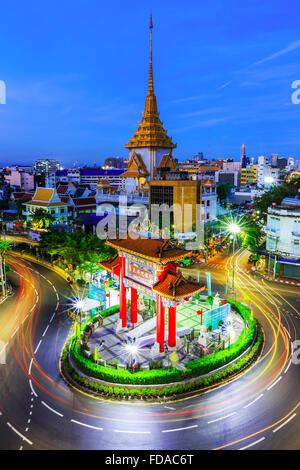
(150, 142)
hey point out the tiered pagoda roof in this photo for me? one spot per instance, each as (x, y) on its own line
(136, 167)
(110, 264)
(175, 287)
(157, 250)
(150, 133)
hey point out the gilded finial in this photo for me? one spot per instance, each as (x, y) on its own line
(150, 84)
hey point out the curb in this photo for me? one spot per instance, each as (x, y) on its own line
(55, 269)
(282, 281)
(169, 398)
(158, 386)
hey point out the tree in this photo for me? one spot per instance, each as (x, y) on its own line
(276, 195)
(76, 248)
(251, 235)
(4, 247)
(222, 191)
(41, 218)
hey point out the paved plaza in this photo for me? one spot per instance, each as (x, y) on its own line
(111, 341)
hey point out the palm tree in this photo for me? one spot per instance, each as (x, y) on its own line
(4, 247)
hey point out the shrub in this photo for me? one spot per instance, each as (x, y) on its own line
(155, 375)
(158, 393)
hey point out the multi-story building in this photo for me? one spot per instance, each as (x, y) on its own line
(20, 179)
(283, 238)
(282, 163)
(232, 178)
(274, 159)
(114, 162)
(244, 159)
(179, 189)
(208, 168)
(249, 175)
(267, 176)
(46, 165)
(86, 176)
(230, 166)
(26, 168)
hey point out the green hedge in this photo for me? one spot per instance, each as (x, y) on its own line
(121, 392)
(109, 311)
(193, 368)
(104, 313)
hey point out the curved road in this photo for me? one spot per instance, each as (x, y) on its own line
(259, 409)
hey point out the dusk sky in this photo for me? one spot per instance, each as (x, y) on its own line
(76, 77)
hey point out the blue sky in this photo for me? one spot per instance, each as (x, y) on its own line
(76, 77)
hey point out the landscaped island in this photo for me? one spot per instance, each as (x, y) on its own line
(85, 368)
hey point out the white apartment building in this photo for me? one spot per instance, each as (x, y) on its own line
(283, 238)
(267, 176)
(232, 166)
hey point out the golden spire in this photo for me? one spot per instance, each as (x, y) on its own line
(150, 84)
(150, 132)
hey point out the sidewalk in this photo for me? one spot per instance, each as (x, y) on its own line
(283, 280)
(54, 268)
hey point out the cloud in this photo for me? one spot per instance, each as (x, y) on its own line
(224, 85)
(203, 112)
(188, 98)
(291, 47)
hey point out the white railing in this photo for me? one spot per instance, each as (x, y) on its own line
(121, 197)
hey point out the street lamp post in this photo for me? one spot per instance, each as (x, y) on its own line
(234, 229)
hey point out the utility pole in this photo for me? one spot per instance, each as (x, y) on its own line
(2, 275)
(275, 259)
(233, 253)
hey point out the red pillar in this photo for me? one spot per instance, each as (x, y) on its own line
(122, 294)
(134, 305)
(160, 324)
(172, 327)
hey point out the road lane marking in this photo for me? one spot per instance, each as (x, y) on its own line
(30, 365)
(288, 366)
(86, 425)
(222, 417)
(51, 319)
(51, 409)
(169, 408)
(286, 422)
(19, 434)
(249, 404)
(45, 330)
(32, 389)
(287, 332)
(37, 347)
(180, 429)
(25, 318)
(273, 384)
(253, 444)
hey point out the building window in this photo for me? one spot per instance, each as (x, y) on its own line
(161, 195)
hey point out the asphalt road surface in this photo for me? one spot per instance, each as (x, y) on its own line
(259, 409)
